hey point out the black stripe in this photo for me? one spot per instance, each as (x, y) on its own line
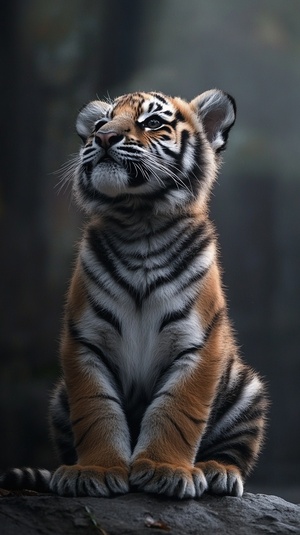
(158, 107)
(153, 233)
(106, 315)
(242, 457)
(159, 97)
(101, 396)
(224, 403)
(102, 252)
(175, 315)
(189, 250)
(198, 173)
(150, 198)
(186, 351)
(108, 418)
(185, 254)
(42, 484)
(193, 349)
(217, 317)
(163, 393)
(89, 150)
(221, 445)
(185, 136)
(183, 263)
(131, 149)
(237, 436)
(86, 432)
(225, 442)
(179, 117)
(78, 420)
(74, 332)
(177, 252)
(226, 376)
(256, 409)
(164, 137)
(176, 156)
(165, 128)
(96, 280)
(179, 430)
(191, 246)
(124, 206)
(196, 277)
(196, 421)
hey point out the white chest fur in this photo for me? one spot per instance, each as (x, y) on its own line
(139, 290)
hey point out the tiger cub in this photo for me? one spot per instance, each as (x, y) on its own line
(154, 396)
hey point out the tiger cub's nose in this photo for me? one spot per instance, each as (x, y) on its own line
(107, 139)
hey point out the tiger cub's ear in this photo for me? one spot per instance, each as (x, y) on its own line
(88, 115)
(217, 111)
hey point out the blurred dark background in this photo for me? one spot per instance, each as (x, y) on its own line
(56, 56)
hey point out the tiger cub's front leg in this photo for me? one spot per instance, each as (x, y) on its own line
(171, 430)
(101, 440)
(162, 461)
(101, 434)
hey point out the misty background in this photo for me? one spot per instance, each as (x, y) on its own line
(58, 55)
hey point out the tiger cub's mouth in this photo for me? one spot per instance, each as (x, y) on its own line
(106, 158)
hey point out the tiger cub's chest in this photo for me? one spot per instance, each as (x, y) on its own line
(141, 296)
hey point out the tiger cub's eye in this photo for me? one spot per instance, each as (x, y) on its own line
(153, 122)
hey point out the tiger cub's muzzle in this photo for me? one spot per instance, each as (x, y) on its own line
(108, 139)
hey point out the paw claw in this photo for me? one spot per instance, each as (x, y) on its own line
(170, 480)
(89, 481)
(222, 479)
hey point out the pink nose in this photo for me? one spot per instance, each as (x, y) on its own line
(108, 139)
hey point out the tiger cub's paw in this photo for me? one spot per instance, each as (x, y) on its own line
(89, 481)
(222, 479)
(168, 479)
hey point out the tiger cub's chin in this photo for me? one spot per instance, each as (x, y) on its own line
(109, 178)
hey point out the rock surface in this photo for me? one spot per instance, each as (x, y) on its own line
(144, 514)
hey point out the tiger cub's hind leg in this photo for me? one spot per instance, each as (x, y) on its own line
(234, 434)
(222, 479)
(60, 425)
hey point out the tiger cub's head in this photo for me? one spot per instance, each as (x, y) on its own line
(150, 149)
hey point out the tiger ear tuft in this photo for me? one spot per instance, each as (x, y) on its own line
(87, 117)
(217, 111)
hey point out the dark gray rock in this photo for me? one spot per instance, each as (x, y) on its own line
(144, 514)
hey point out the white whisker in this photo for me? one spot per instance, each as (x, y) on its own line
(158, 165)
(66, 172)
